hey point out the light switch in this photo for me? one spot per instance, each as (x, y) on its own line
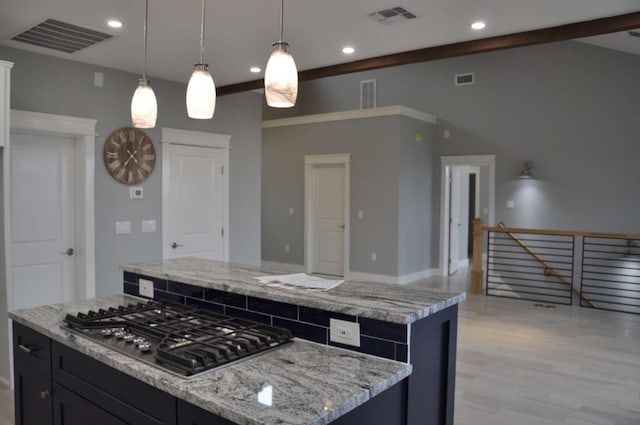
(360, 214)
(485, 211)
(290, 211)
(511, 204)
(148, 226)
(136, 193)
(123, 227)
(98, 79)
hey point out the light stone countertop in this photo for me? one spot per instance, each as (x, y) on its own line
(311, 384)
(387, 302)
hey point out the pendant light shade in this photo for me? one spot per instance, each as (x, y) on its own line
(201, 94)
(201, 90)
(281, 78)
(144, 107)
(281, 74)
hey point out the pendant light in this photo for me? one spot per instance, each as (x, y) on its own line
(144, 107)
(201, 91)
(281, 74)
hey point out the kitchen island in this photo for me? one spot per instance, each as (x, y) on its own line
(66, 379)
(413, 325)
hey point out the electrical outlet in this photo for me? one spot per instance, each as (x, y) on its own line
(374, 256)
(344, 332)
(290, 211)
(145, 288)
(287, 248)
(360, 214)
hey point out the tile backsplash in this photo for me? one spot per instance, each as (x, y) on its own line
(379, 338)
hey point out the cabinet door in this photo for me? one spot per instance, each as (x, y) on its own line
(32, 376)
(70, 409)
(32, 397)
(188, 414)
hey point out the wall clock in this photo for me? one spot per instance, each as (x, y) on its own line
(129, 155)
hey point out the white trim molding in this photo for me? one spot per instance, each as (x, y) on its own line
(310, 162)
(172, 136)
(352, 115)
(464, 160)
(83, 131)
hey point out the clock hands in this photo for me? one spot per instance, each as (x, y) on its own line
(131, 156)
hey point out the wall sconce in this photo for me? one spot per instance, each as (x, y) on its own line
(526, 170)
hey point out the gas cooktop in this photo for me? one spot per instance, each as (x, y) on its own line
(182, 340)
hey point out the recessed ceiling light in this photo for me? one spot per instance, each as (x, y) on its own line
(348, 50)
(255, 69)
(113, 23)
(478, 25)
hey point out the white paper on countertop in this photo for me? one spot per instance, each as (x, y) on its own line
(301, 281)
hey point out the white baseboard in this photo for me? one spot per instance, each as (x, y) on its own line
(414, 277)
(399, 280)
(283, 267)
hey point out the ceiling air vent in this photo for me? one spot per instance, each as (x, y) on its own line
(368, 94)
(57, 35)
(465, 79)
(393, 15)
(634, 34)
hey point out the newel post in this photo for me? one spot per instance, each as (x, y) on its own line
(476, 264)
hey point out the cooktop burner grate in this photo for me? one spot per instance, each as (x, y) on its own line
(181, 339)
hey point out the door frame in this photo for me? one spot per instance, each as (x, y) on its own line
(311, 162)
(446, 162)
(173, 136)
(83, 132)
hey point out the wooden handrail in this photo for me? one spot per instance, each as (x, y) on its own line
(548, 270)
(476, 259)
(499, 229)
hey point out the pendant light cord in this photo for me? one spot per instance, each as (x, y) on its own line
(202, 34)
(281, 20)
(146, 19)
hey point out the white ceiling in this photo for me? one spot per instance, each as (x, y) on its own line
(239, 33)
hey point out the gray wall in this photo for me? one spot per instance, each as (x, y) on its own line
(390, 182)
(46, 84)
(373, 144)
(570, 107)
(417, 240)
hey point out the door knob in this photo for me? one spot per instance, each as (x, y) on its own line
(175, 245)
(342, 227)
(44, 394)
(69, 252)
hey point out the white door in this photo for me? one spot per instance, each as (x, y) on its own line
(328, 219)
(196, 208)
(42, 220)
(454, 220)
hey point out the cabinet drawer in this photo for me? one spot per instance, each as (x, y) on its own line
(130, 400)
(32, 350)
(188, 414)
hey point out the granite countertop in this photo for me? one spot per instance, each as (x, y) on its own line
(388, 302)
(311, 384)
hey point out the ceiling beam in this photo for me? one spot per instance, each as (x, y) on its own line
(545, 35)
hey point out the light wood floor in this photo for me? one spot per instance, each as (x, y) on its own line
(519, 364)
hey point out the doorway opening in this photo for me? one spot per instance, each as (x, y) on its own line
(467, 192)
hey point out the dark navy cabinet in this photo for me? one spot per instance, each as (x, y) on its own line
(32, 377)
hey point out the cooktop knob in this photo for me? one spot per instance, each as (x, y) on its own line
(138, 340)
(145, 347)
(128, 338)
(106, 333)
(119, 334)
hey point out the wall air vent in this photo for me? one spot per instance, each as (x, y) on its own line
(393, 15)
(465, 79)
(634, 34)
(368, 94)
(61, 36)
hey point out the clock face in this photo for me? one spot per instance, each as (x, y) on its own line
(129, 155)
